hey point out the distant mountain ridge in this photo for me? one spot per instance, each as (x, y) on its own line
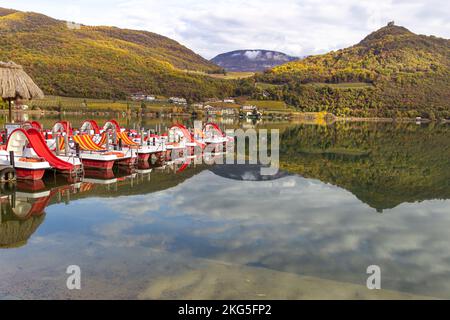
(103, 62)
(251, 60)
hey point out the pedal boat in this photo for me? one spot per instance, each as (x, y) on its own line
(26, 165)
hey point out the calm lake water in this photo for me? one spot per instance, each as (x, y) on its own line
(348, 195)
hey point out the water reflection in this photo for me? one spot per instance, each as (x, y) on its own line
(245, 172)
(19, 219)
(226, 232)
(382, 164)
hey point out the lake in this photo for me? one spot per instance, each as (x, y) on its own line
(347, 196)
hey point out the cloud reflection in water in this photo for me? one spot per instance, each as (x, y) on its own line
(294, 225)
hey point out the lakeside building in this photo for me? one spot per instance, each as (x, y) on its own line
(197, 105)
(228, 112)
(250, 111)
(218, 111)
(210, 110)
(177, 100)
(213, 100)
(248, 108)
(142, 97)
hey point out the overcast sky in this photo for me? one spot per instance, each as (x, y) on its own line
(210, 27)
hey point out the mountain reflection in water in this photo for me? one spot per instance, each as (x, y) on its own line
(225, 231)
(382, 164)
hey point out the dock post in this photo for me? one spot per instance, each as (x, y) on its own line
(66, 145)
(67, 197)
(77, 150)
(107, 141)
(11, 159)
(13, 200)
(57, 145)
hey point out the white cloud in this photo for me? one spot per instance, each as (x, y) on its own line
(252, 55)
(296, 27)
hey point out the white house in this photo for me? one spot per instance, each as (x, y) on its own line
(142, 97)
(248, 108)
(177, 100)
(228, 112)
(197, 105)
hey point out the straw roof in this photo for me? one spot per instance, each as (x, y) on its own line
(14, 82)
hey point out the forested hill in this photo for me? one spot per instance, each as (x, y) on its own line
(102, 62)
(391, 72)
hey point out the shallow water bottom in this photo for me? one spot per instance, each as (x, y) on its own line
(178, 278)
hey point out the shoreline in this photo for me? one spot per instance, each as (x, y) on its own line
(393, 120)
(307, 116)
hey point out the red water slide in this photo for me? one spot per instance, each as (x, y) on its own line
(186, 134)
(215, 127)
(112, 125)
(63, 126)
(32, 124)
(90, 125)
(38, 144)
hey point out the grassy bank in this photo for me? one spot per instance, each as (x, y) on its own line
(222, 76)
(56, 103)
(232, 75)
(68, 104)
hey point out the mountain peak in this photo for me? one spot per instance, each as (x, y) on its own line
(390, 30)
(251, 60)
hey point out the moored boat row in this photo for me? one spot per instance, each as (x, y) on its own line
(32, 150)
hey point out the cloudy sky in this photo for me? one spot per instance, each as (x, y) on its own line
(210, 27)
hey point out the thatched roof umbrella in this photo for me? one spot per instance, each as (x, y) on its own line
(15, 83)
